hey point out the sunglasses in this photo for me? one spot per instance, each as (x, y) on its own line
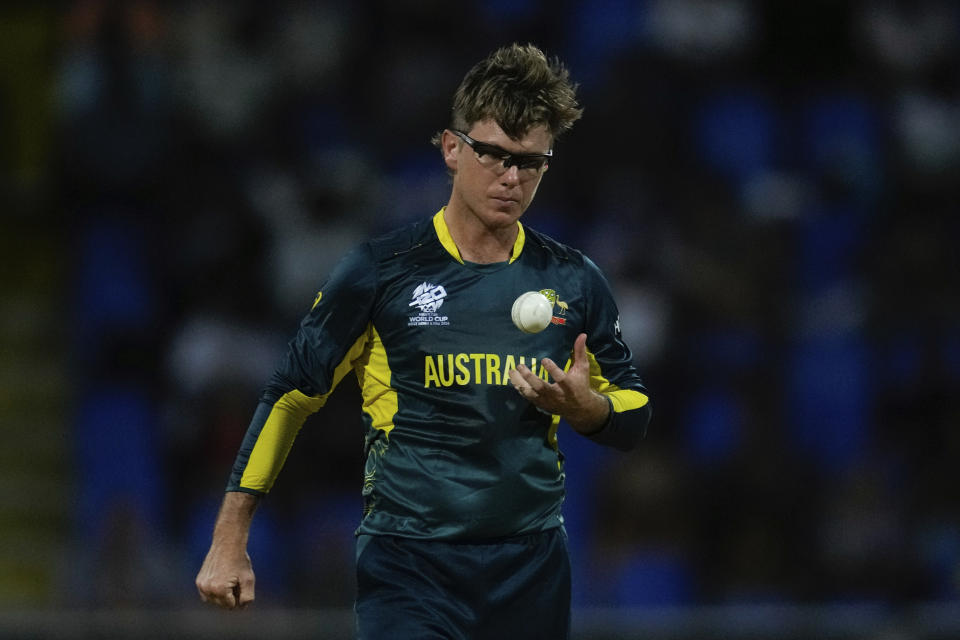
(491, 155)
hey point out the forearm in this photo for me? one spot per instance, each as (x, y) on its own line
(233, 521)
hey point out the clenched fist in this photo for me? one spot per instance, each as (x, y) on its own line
(226, 578)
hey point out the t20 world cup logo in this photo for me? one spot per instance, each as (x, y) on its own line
(428, 297)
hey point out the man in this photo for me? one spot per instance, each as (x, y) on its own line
(461, 534)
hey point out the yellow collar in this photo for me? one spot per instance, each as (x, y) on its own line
(443, 233)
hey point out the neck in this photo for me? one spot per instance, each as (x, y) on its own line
(476, 241)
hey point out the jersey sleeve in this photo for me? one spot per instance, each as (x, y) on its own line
(611, 367)
(328, 342)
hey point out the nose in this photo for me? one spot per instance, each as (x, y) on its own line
(510, 175)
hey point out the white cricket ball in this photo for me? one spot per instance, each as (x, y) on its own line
(531, 312)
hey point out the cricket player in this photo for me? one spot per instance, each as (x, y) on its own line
(461, 533)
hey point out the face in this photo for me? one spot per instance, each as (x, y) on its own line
(495, 194)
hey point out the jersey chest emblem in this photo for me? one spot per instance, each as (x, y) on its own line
(428, 298)
(560, 318)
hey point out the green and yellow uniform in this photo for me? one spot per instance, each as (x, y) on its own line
(453, 452)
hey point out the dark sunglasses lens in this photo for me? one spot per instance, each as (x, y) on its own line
(528, 162)
(490, 151)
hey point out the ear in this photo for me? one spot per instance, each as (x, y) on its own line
(450, 146)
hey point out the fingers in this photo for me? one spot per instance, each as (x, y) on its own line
(523, 381)
(555, 372)
(539, 392)
(224, 597)
(578, 365)
(516, 379)
(526, 378)
(534, 388)
(235, 594)
(580, 349)
(526, 381)
(245, 591)
(229, 599)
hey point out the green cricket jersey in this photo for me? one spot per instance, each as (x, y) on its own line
(452, 450)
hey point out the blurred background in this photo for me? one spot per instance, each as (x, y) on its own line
(768, 187)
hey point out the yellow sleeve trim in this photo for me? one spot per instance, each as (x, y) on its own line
(284, 423)
(621, 399)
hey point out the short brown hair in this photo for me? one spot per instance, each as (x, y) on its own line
(518, 88)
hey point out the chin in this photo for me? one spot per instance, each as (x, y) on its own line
(512, 207)
(505, 216)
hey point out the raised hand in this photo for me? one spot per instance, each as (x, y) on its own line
(569, 395)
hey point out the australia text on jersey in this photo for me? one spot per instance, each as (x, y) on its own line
(460, 369)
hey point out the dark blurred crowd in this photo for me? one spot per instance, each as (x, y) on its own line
(768, 187)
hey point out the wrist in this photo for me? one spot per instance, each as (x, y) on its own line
(231, 534)
(593, 417)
